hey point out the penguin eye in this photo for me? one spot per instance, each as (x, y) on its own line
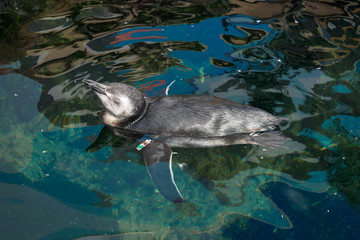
(117, 101)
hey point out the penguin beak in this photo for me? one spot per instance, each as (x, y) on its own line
(97, 87)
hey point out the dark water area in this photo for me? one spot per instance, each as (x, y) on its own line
(64, 176)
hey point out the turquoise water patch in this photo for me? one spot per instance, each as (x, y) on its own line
(350, 123)
(341, 89)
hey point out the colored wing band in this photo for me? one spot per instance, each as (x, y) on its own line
(143, 144)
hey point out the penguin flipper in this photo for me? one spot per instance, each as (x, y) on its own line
(158, 160)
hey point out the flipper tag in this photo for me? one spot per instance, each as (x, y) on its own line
(143, 144)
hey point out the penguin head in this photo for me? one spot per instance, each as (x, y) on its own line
(123, 103)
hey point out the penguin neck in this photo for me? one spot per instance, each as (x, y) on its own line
(109, 119)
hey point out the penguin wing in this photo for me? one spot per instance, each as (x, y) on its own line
(158, 160)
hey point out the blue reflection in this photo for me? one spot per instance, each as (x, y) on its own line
(241, 42)
(341, 89)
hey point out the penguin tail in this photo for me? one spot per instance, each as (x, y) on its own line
(271, 139)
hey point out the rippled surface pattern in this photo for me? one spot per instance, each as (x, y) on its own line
(64, 176)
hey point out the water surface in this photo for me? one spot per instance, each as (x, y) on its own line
(64, 176)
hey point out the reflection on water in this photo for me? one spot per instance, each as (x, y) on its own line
(298, 60)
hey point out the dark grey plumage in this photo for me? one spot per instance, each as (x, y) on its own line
(201, 116)
(183, 120)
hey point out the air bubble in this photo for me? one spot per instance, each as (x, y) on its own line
(182, 165)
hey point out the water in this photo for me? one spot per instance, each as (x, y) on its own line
(63, 176)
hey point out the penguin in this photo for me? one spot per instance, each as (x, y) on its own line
(159, 123)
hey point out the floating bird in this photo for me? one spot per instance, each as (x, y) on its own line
(162, 122)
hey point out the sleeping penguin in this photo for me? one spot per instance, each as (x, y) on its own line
(181, 121)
